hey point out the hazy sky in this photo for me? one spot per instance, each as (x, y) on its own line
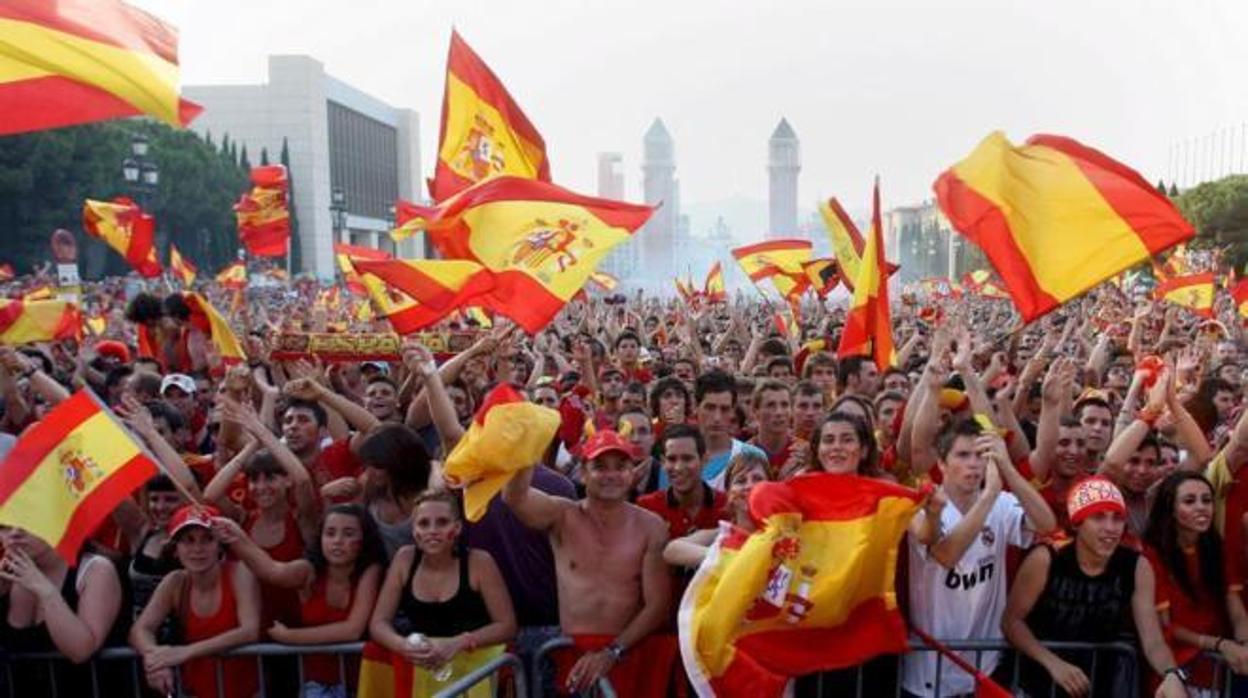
(902, 89)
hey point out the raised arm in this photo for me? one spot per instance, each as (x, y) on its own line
(420, 362)
(1055, 394)
(139, 419)
(1039, 515)
(947, 551)
(533, 507)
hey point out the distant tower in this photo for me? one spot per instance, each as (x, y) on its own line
(784, 161)
(611, 176)
(659, 184)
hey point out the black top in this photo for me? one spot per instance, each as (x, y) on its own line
(463, 612)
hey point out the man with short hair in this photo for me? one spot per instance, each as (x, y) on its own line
(808, 408)
(896, 380)
(627, 351)
(1097, 420)
(637, 427)
(857, 375)
(715, 398)
(614, 588)
(611, 382)
(634, 397)
(381, 398)
(820, 369)
(780, 368)
(772, 403)
(687, 504)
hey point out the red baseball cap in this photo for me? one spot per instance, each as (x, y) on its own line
(114, 349)
(192, 515)
(606, 441)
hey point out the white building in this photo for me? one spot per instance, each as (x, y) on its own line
(338, 137)
(658, 236)
(784, 161)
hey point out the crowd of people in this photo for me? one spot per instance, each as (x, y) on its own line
(1085, 470)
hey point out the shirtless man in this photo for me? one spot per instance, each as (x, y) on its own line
(613, 586)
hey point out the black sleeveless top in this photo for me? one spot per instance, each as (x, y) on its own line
(1076, 607)
(463, 612)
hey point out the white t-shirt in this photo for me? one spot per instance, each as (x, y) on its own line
(965, 602)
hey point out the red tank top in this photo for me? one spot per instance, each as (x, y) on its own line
(277, 603)
(199, 676)
(324, 668)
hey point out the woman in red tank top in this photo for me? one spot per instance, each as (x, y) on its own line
(337, 585)
(217, 605)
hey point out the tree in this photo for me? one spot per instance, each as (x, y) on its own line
(264, 156)
(296, 252)
(1174, 191)
(1161, 186)
(244, 161)
(1219, 210)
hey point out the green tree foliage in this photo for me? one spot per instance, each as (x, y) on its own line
(264, 156)
(1219, 210)
(296, 252)
(45, 176)
(244, 161)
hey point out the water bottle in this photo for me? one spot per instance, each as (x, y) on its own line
(442, 673)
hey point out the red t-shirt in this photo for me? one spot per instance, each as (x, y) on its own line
(1202, 614)
(335, 461)
(679, 523)
(781, 456)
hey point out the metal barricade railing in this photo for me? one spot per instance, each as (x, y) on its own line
(605, 689)
(486, 671)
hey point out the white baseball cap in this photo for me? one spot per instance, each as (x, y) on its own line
(178, 380)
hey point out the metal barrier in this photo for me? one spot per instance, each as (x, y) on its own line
(485, 671)
(605, 689)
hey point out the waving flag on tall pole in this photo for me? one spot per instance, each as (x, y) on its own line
(824, 274)
(181, 266)
(847, 242)
(263, 213)
(126, 228)
(1056, 217)
(811, 590)
(713, 288)
(484, 132)
(519, 247)
(778, 260)
(868, 327)
(77, 61)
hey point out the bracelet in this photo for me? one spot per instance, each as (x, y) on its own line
(1148, 415)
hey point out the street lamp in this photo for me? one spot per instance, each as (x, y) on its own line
(338, 208)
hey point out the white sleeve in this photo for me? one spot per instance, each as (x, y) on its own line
(1010, 522)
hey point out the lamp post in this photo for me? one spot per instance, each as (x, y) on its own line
(142, 178)
(338, 208)
(392, 221)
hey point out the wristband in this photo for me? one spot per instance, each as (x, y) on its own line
(1148, 415)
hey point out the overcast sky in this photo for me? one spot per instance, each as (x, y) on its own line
(903, 89)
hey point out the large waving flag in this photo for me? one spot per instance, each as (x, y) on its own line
(1240, 294)
(126, 228)
(77, 61)
(811, 590)
(69, 471)
(778, 260)
(209, 321)
(713, 288)
(535, 245)
(1194, 292)
(1056, 217)
(438, 287)
(409, 218)
(24, 322)
(508, 434)
(868, 327)
(484, 133)
(182, 267)
(264, 214)
(343, 253)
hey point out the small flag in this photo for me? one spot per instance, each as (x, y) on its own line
(868, 325)
(263, 213)
(24, 322)
(1195, 292)
(126, 228)
(234, 276)
(209, 321)
(846, 240)
(1056, 217)
(69, 471)
(823, 273)
(713, 288)
(1240, 294)
(778, 260)
(181, 267)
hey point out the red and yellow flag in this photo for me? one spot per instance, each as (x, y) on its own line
(778, 260)
(534, 243)
(384, 674)
(126, 228)
(436, 287)
(811, 590)
(713, 288)
(42, 292)
(69, 471)
(234, 276)
(409, 219)
(847, 242)
(209, 321)
(263, 213)
(1240, 294)
(182, 267)
(823, 273)
(24, 322)
(981, 283)
(508, 434)
(604, 281)
(1056, 217)
(1195, 292)
(484, 133)
(868, 327)
(685, 290)
(343, 254)
(77, 61)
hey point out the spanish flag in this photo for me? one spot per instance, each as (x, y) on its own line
(484, 133)
(126, 228)
(713, 288)
(263, 213)
(535, 245)
(778, 260)
(868, 325)
(1195, 292)
(981, 283)
(69, 471)
(41, 292)
(1056, 217)
(24, 322)
(386, 675)
(686, 291)
(811, 590)
(847, 242)
(1240, 294)
(604, 281)
(77, 61)
(409, 219)
(823, 273)
(403, 313)
(508, 434)
(208, 320)
(438, 287)
(181, 266)
(234, 276)
(343, 254)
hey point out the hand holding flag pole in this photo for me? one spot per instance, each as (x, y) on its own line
(139, 420)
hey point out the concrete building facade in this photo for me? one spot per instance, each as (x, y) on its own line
(659, 188)
(339, 137)
(784, 162)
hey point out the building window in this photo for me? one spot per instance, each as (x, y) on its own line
(363, 161)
